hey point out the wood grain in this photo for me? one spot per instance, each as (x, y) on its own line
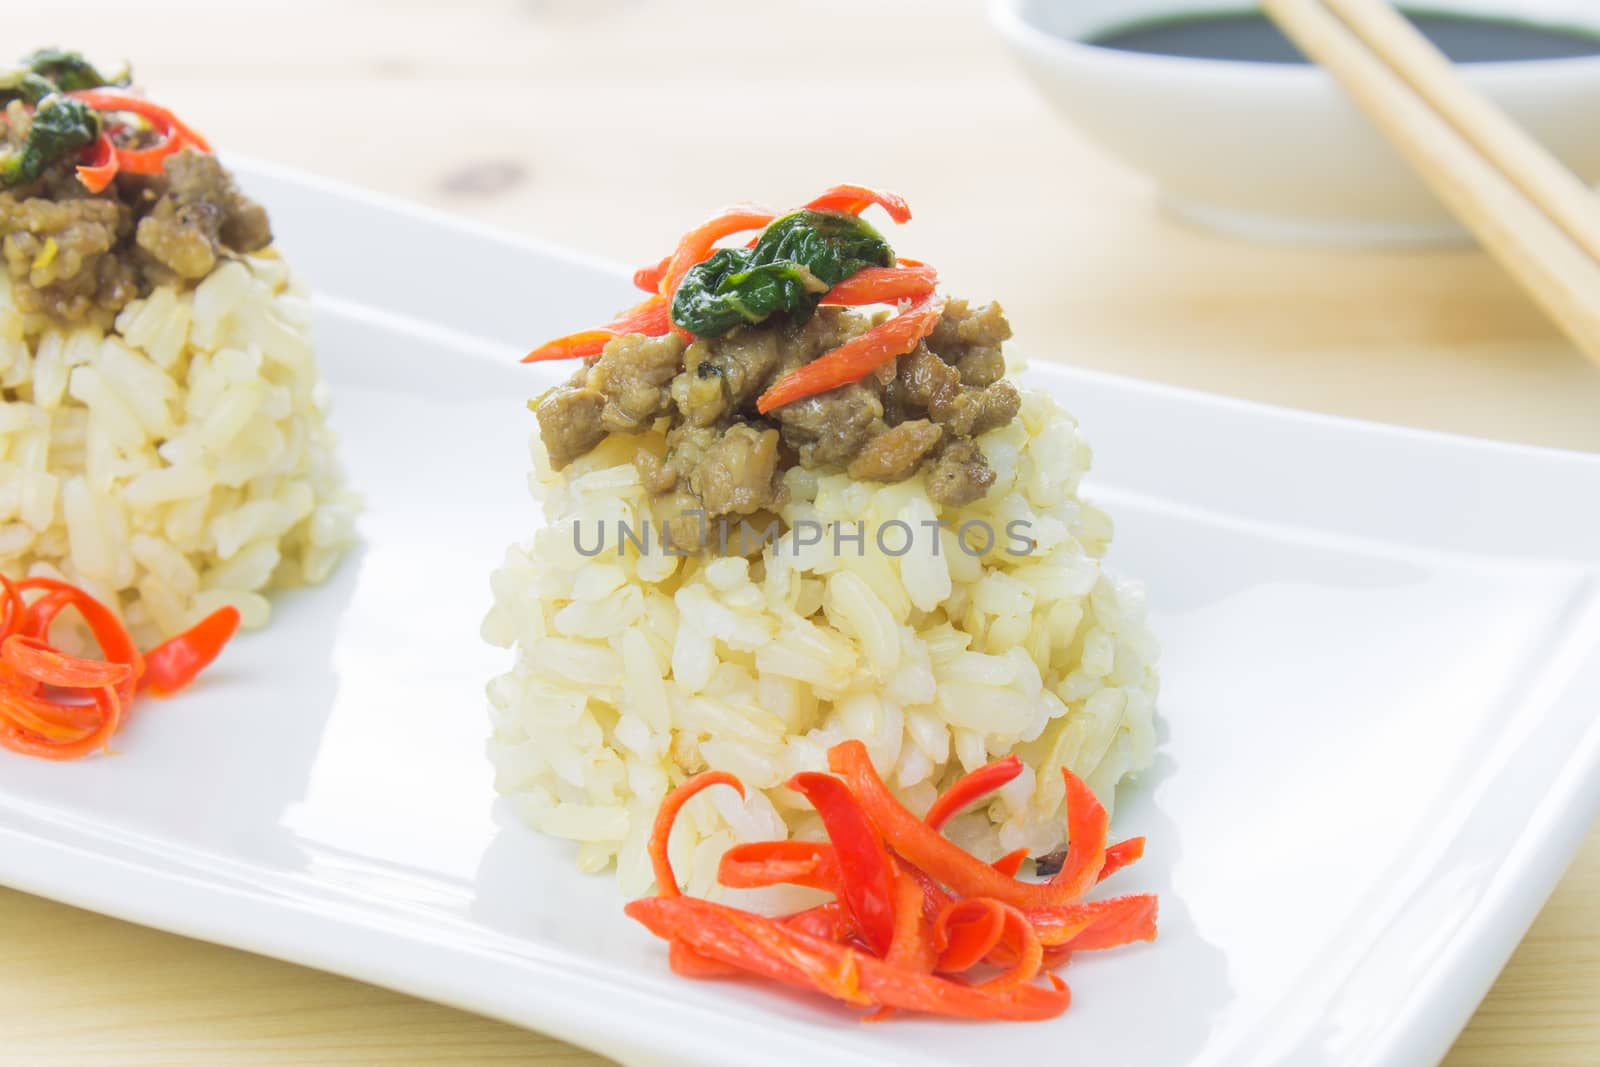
(606, 125)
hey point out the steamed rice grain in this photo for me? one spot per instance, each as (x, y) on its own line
(637, 669)
(178, 461)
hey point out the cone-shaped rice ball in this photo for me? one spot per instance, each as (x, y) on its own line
(163, 438)
(902, 559)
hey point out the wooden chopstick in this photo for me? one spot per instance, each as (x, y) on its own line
(1549, 260)
(1570, 204)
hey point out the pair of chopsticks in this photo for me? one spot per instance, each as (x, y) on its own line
(1530, 212)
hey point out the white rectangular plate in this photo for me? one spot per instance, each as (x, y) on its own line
(1380, 743)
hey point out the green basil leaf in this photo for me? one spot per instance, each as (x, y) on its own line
(797, 259)
(23, 84)
(61, 125)
(69, 71)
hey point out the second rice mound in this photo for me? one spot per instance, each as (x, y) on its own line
(177, 458)
(636, 669)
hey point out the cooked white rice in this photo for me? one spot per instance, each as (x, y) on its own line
(177, 462)
(634, 671)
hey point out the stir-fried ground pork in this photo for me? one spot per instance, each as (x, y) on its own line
(970, 341)
(827, 430)
(896, 453)
(74, 256)
(731, 470)
(725, 374)
(959, 475)
(58, 254)
(198, 216)
(633, 374)
(569, 422)
(738, 473)
(927, 383)
(921, 413)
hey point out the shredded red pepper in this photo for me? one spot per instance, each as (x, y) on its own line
(59, 706)
(1086, 925)
(697, 245)
(966, 931)
(110, 100)
(828, 921)
(650, 317)
(690, 964)
(33, 657)
(100, 164)
(649, 278)
(911, 280)
(14, 607)
(912, 945)
(964, 873)
(1122, 854)
(18, 738)
(105, 159)
(1023, 944)
(866, 873)
(752, 865)
(1011, 862)
(882, 285)
(911, 927)
(854, 199)
(971, 788)
(175, 662)
(767, 947)
(661, 833)
(584, 343)
(116, 646)
(857, 357)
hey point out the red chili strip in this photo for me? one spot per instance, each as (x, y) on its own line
(22, 741)
(650, 317)
(173, 664)
(38, 616)
(911, 948)
(100, 164)
(971, 788)
(766, 947)
(1011, 862)
(962, 872)
(177, 133)
(1097, 924)
(1019, 936)
(687, 962)
(854, 199)
(582, 344)
(829, 922)
(15, 606)
(755, 864)
(966, 931)
(882, 285)
(666, 881)
(866, 873)
(649, 278)
(41, 710)
(116, 646)
(22, 708)
(33, 658)
(697, 245)
(1120, 855)
(857, 357)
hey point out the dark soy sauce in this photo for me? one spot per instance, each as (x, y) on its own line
(1252, 38)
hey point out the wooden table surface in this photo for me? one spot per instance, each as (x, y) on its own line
(608, 125)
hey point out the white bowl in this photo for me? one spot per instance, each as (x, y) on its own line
(1275, 150)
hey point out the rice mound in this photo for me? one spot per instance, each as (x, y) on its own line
(635, 670)
(176, 459)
